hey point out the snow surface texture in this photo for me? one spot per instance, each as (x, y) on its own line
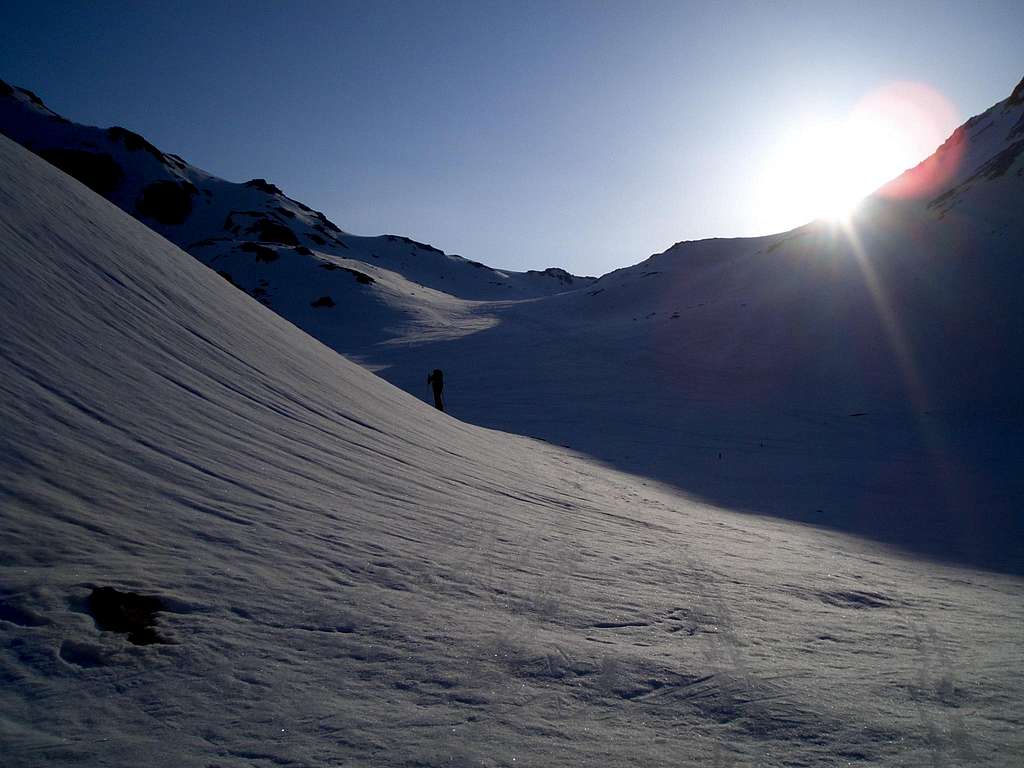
(867, 380)
(348, 577)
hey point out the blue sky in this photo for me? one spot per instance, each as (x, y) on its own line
(522, 134)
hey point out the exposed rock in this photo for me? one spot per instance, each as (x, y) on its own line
(323, 302)
(263, 254)
(99, 172)
(1017, 129)
(303, 251)
(326, 222)
(1017, 97)
(413, 243)
(126, 612)
(264, 186)
(360, 277)
(995, 167)
(270, 231)
(168, 202)
(556, 272)
(8, 90)
(1001, 163)
(133, 142)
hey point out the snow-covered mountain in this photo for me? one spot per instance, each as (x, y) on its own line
(986, 148)
(344, 289)
(864, 377)
(223, 544)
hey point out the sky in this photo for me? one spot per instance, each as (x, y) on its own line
(586, 135)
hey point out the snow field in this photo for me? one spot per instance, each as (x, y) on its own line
(352, 578)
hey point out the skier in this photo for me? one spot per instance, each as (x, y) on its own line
(436, 381)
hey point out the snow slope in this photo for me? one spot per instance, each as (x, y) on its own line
(344, 289)
(348, 577)
(865, 378)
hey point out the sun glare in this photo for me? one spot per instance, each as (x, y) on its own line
(823, 168)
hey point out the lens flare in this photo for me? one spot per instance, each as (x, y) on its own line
(919, 117)
(822, 167)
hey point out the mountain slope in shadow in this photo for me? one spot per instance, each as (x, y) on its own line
(864, 376)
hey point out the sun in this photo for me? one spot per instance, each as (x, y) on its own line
(822, 167)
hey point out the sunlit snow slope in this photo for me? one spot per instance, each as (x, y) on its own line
(347, 577)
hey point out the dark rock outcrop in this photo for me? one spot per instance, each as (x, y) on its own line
(270, 231)
(360, 277)
(98, 171)
(413, 243)
(263, 254)
(1017, 97)
(168, 202)
(556, 272)
(133, 142)
(127, 612)
(264, 186)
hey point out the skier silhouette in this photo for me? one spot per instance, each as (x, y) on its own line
(436, 381)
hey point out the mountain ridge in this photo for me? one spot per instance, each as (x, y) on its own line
(183, 203)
